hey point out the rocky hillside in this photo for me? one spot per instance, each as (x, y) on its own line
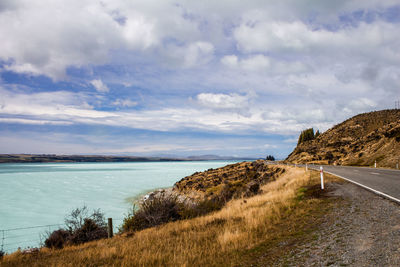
(237, 179)
(359, 140)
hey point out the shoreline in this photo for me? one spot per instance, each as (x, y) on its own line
(143, 196)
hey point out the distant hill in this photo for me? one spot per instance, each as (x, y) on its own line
(36, 158)
(359, 140)
(215, 157)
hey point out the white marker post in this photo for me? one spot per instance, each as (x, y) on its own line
(306, 167)
(375, 163)
(322, 177)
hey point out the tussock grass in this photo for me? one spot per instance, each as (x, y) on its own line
(215, 239)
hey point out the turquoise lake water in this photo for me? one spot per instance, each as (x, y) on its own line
(43, 194)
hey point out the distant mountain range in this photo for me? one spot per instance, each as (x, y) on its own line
(215, 157)
(35, 158)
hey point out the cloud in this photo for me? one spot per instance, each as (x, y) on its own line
(34, 121)
(198, 52)
(99, 86)
(53, 36)
(187, 56)
(224, 101)
(230, 61)
(270, 146)
(87, 33)
(139, 32)
(258, 62)
(360, 104)
(191, 64)
(181, 145)
(216, 114)
(263, 64)
(291, 140)
(59, 107)
(271, 36)
(126, 103)
(298, 38)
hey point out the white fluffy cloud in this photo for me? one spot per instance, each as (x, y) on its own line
(47, 37)
(377, 40)
(224, 101)
(99, 86)
(53, 107)
(219, 113)
(139, 32)
(308, 63)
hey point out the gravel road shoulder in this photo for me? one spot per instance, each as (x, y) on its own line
(363, 229)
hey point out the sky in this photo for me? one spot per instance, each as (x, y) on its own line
(181, 78)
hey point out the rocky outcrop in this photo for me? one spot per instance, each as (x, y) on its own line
(232, 180)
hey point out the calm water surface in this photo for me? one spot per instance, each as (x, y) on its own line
(43, 193)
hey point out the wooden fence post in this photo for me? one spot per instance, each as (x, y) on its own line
(110, 228)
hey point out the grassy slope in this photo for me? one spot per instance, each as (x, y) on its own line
(359, 140)
(237, 177)
(245, 231)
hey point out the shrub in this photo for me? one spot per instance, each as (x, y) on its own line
(270, 157)
(1, 254)
(329, 155)
(163, 208)
(253, 188)
(57, 239)
(159, 209)
(306, 135)
(89, 231)
(76, 219)
(231, 190)
(81, 227)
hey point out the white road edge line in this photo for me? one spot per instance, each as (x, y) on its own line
(368, 188)
(375, 173)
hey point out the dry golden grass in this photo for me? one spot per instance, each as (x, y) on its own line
(216, 239)
(358, 141)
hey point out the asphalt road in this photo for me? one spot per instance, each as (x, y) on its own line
(382, 181)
